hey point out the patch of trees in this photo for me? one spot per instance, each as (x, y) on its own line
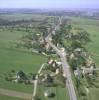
(70, 37)
(19, 77)
(5, 22)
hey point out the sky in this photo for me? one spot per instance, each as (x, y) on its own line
(49, 3)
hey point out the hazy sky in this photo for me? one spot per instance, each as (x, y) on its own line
(49, 3)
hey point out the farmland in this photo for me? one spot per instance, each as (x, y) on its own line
(13, 58)
(8, 98)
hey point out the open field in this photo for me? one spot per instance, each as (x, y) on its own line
(3, 97)
(23, 16)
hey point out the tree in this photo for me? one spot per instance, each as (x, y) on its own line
(22, 75)
(49, 80)
(71, 37)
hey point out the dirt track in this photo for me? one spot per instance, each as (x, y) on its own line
(12, 93)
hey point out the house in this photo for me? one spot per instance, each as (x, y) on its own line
(72, 56)
(57, 71)
(48, 93)
(77, 73)
(50, 61)
(88, 70)
(89, 63)
(58, 63)
(62, 49)
(78, 51)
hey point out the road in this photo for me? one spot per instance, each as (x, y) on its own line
(36, 81)
(66, 69)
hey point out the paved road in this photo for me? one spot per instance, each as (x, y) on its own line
(12, 93)
(69, 82)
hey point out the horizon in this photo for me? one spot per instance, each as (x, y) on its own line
(50, 4)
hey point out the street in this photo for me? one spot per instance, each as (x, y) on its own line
(66, 70)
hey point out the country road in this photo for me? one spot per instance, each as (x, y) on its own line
(36, 82)
(66, 70)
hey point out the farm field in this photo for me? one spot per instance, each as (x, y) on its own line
(12, 58)
(18, 60)
(3, 97)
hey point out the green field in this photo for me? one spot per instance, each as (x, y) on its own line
(3, 97)
(16, 59)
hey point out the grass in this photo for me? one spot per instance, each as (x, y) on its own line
(3, 97)
(17, 59)
(91, 26)
(22, 16)
(60, 93)
(94, 95)
(59, 90)
(10, 59)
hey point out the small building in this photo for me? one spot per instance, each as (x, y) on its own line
(48, 93)
(50, 61)
(78, 51)
(77, 73)
(57, 71)
(88, 70)
(62, 49)
(72, 56)
(58, 63)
